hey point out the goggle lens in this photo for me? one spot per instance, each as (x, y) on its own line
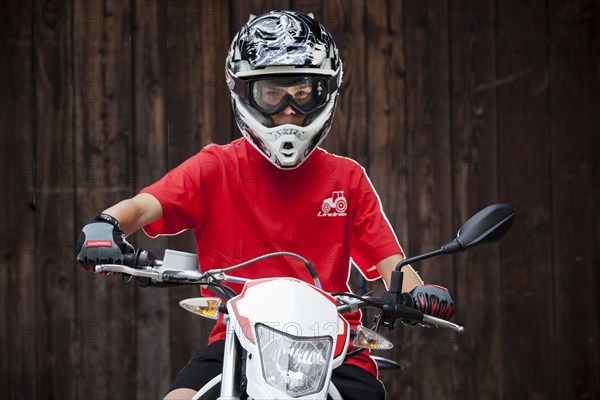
(304, 94)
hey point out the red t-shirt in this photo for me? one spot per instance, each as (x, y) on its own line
(241, 206)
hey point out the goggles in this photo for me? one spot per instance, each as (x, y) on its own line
(271, 94)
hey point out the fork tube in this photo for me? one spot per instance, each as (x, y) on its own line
(228, 381)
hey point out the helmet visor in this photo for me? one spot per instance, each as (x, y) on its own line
(305, 94)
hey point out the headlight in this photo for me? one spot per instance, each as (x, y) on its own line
(295, 365)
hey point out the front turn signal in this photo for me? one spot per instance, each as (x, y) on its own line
(368, 339)
(204, 306)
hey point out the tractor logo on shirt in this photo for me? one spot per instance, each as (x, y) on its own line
(334, 206)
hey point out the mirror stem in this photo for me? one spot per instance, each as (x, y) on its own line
(398, 275)
(407, 261)
(396, 285)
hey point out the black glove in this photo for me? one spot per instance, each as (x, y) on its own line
(433, 300)
(102, 242)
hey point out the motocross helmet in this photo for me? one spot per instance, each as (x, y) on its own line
(281, 59)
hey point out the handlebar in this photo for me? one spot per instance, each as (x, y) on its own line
(354, 303)
(154, 272)
(178, 270)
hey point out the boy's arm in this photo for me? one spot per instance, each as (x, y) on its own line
(136, 212)
(387, 265)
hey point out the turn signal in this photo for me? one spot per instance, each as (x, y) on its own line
(204, 306)
(368, 339)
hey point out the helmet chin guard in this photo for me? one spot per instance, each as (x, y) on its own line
(277, 47)
(288, 145)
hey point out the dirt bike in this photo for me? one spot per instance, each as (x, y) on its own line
(284, 337)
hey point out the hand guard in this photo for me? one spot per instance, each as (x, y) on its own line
(102, 242)
(433, 300)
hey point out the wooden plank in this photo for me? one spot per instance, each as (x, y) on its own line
(385, 108)
(473, 170)
(593, 116)
(215, 110)
(345, 21)
(103, 123)
(149, 41)
(386, 121)
(18, 332)
(524, 157)
(56, 271)
(430, 211)
(574, 105)
(594, 121)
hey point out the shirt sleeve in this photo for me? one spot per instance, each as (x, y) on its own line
(181, 192)
(372, 236)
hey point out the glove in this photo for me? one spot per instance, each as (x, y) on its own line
(102, 242)
(433, 300)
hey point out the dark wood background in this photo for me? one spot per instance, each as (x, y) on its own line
(450, 105)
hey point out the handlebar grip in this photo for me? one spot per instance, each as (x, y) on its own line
(402, 311)
(141, 258)
(129, 259)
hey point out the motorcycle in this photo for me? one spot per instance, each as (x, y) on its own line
(284, 336)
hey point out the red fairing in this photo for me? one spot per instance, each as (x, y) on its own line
(90, 244)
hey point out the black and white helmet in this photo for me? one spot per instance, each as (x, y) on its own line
(281, 59)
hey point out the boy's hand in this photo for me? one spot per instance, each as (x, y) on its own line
(433, 300)
(102, 242)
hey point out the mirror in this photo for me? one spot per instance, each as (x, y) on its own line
(487, 226)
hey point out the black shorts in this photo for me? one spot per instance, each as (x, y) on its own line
(353, 383)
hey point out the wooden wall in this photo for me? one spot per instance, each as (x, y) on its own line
(450, 105)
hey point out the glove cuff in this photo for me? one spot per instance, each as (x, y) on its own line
(101, 217)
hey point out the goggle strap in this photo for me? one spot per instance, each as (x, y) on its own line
(236, 85)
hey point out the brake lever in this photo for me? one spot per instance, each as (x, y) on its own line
(442, 323)
(128, 270)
